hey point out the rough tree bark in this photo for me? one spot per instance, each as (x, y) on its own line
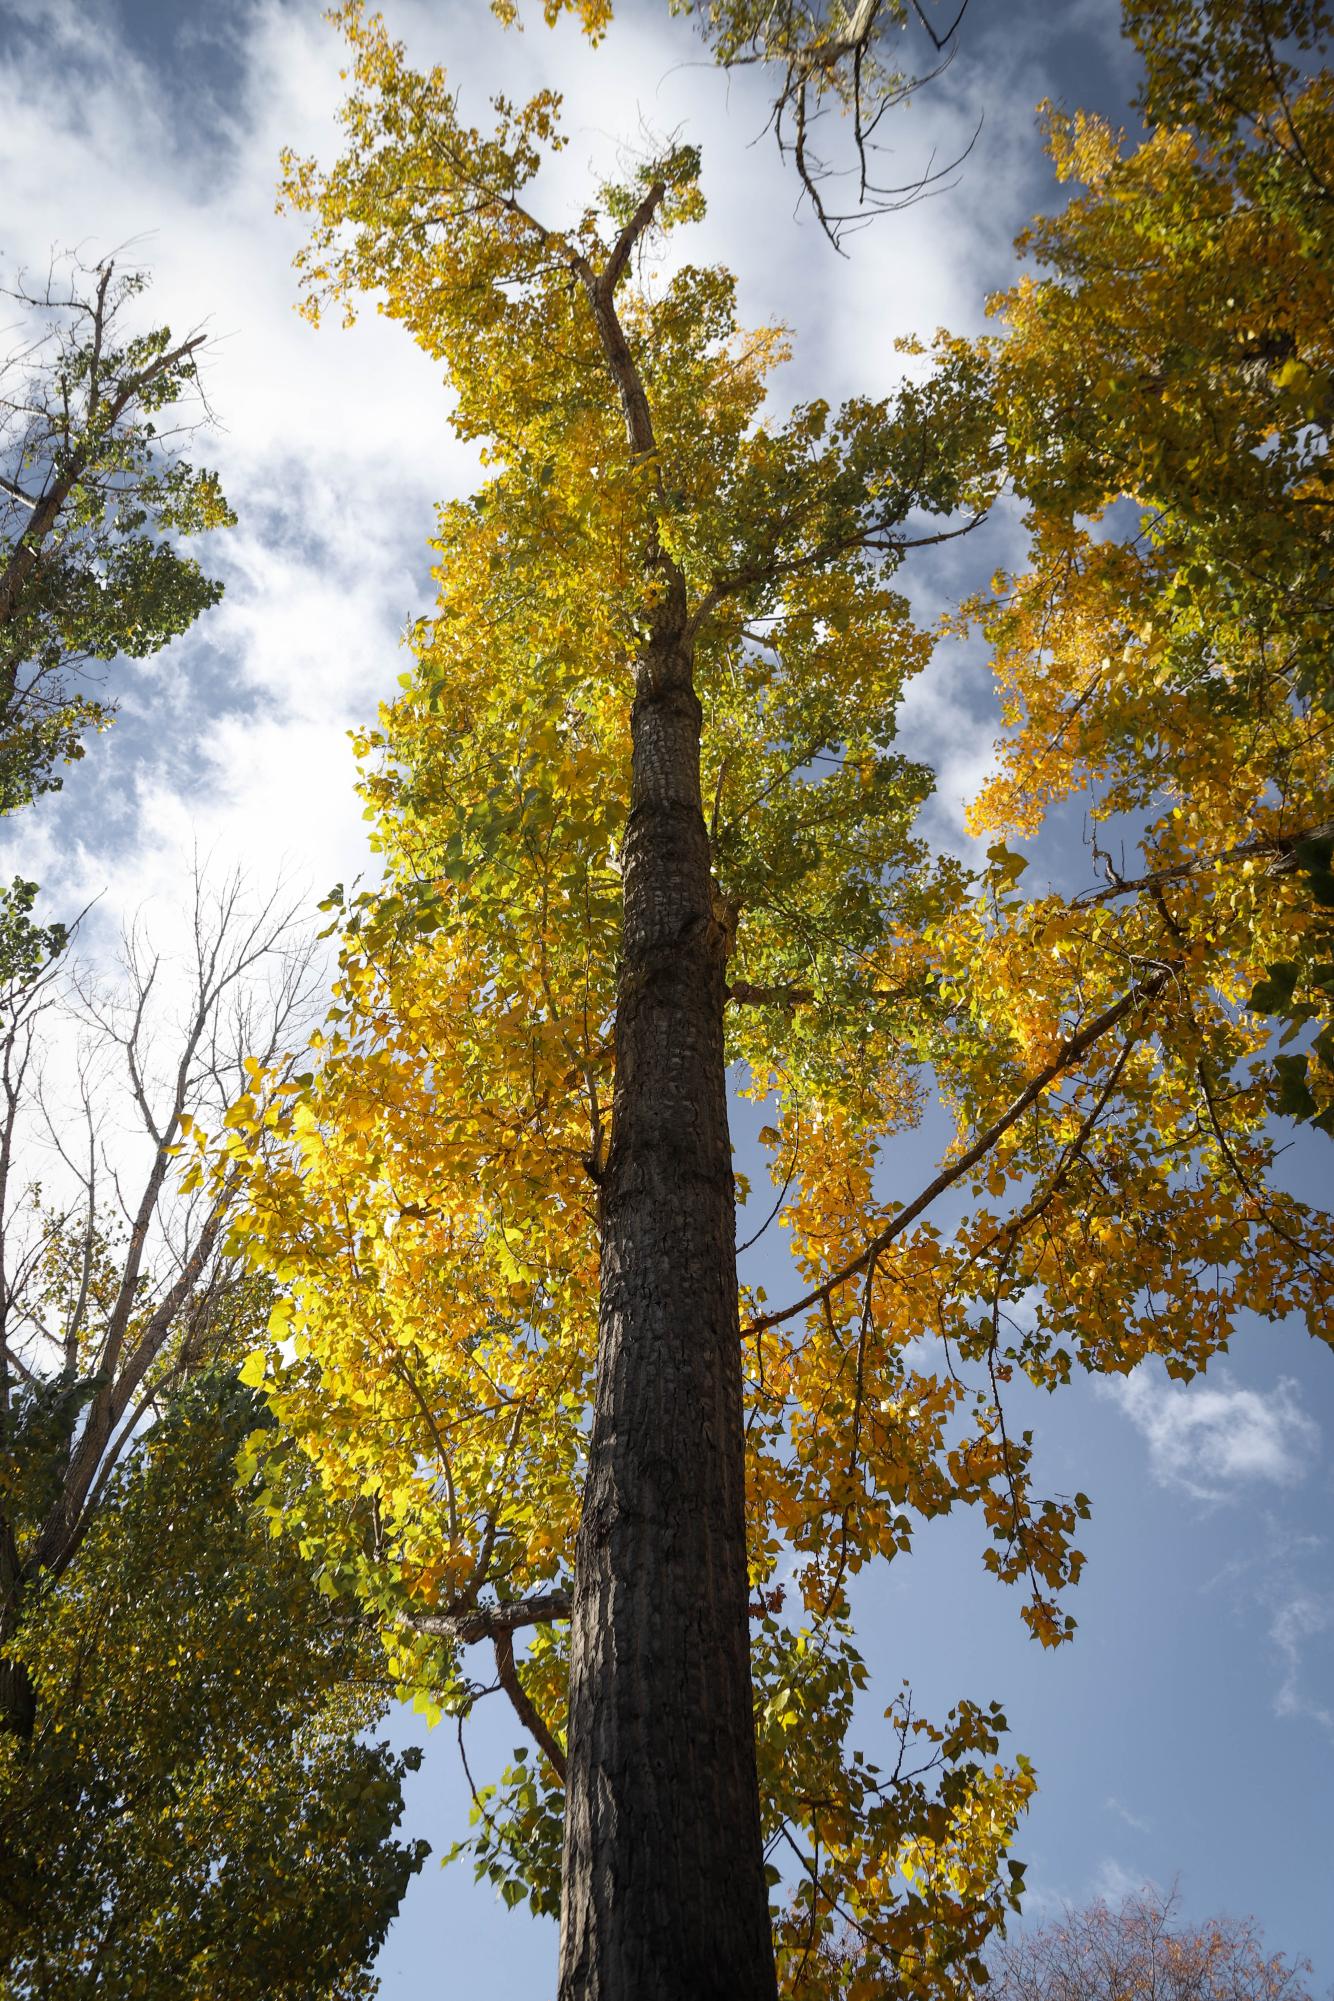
(18, 1700)
(664, 1896)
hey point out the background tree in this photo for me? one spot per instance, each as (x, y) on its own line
(1141, 1946)
(197, 1810)
(580, 924)
(106, 1291)
(185, 1802)
(95, 501)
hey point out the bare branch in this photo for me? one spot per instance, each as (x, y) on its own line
(486, 1622)
(524, 1707)
(138, 1308)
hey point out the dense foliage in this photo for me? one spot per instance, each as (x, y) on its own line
(428, 1194)
(196, 1811)
(1166, 391)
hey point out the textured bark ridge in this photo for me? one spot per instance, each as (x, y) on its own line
(664, 1892)
(18, 1698)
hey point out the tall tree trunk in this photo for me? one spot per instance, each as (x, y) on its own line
(664, 1895)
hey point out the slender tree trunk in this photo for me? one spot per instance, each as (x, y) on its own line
(18, 1698)
(18, 1701)
(664, 1893)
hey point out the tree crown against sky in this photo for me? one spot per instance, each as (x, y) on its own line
(1142, 1946)
(95, 501)
(555, 723)
(1086, 1835)
(434, 1222)
(1177, 361)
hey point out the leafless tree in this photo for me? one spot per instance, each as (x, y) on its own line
(1143, 1946)
(116, 1286)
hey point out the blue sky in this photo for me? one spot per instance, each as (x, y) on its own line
(1190, 1729)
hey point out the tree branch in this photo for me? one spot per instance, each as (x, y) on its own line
(524, 1707)
(1068, 1054)
(747, 994)
(614, 269)
(471, 1623)
(875, 536)
(1280, 847)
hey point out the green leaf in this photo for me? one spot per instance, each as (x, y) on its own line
(1273, 995)
(1294, 1098)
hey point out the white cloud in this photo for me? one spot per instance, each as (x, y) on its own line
(334, 446)
(333, 450)
(1210, 1438)
(1303, 1620)
(1113, 1882)
(1286, 1578)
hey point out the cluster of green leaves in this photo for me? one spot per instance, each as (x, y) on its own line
(1230, 69)
(1301, 991)
(517, 1822)
(198, 1810)
(95, 501)
(25, 947)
